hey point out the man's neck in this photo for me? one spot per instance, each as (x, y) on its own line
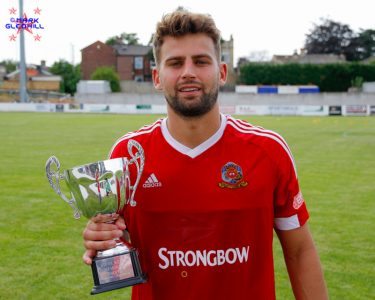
(191, 132)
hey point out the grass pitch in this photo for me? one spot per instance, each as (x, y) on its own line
(41, 244)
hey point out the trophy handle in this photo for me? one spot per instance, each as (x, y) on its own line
(54, 180)
(137, 158)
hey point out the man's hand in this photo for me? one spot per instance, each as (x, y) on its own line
(100, 233)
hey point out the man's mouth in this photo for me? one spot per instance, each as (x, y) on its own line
(189, 89)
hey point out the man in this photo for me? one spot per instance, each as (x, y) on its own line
(204, 229)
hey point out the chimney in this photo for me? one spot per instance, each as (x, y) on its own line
(303, 52)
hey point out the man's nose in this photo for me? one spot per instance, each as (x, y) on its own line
(189, 70)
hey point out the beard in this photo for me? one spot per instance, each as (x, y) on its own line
(198, 108)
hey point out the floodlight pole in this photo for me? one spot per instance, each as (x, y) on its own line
(23, 78)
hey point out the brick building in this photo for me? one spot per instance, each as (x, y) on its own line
(131, 62)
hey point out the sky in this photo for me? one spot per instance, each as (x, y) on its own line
(268, 27)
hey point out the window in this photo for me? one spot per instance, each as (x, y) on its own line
(138, 63)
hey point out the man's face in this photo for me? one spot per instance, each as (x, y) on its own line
(189, 74)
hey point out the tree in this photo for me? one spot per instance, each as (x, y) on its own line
(125, 38)
(150, 55)
(150, 42)
(365, 43)
(71, 75)
(10, 65)
(109, 74)
(330, 37)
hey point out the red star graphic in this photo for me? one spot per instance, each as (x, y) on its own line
(26, 23)
(37, 37)
(37, 11)
(12, 11)
(12, 38)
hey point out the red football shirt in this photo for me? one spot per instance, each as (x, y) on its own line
(204, 218)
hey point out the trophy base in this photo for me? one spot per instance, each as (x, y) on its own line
(116, 268)
(117, 285)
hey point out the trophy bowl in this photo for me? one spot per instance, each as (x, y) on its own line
(104, 187)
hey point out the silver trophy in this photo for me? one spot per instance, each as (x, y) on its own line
(104, 187)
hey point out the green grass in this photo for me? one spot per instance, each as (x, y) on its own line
(41, 244)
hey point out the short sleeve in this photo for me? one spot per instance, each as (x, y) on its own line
(290, 210)
(119, 149)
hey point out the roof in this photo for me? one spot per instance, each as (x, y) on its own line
(123, 49)
(284, 58)
(96, 43)
(321, 58)
(33, 71)
(309, 58)
(133, 50)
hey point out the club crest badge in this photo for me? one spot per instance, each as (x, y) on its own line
(232, 176)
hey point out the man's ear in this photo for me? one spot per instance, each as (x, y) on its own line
(223, 73)
(156, 79)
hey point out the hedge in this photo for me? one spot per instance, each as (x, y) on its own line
(329, 77)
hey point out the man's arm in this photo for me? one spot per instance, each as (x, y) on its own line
(303, 264)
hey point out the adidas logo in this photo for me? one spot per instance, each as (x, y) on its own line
(151, 182)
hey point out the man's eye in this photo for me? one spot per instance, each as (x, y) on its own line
(174, 63)
(201, 62)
